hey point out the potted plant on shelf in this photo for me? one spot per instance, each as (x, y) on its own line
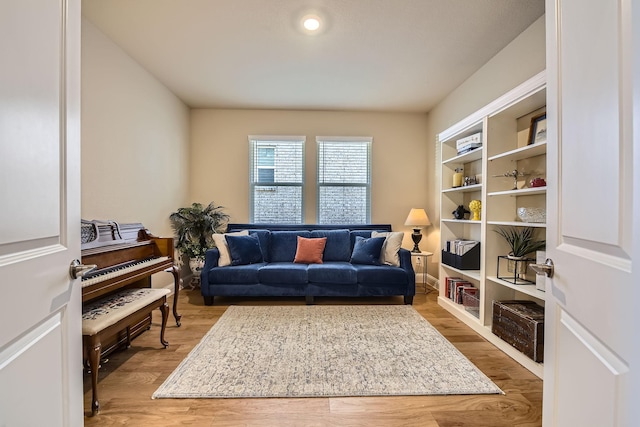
(522, 241)
(194, 227)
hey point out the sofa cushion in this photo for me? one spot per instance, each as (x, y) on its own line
(221, 243)
(338, 247)
(265, 237)
(242, 274)
(391, 247)
(244, 249)
(283, 245)
(369, 275)
(310, 251)
(332, 272)
(283, 273)
(367, 251)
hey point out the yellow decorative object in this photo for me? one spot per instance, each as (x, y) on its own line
(475, 206)
(457, 178)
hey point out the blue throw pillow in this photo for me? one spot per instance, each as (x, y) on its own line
(244, 249)
(367, 251)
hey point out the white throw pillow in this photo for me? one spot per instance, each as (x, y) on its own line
(390, 248)
(221, 243)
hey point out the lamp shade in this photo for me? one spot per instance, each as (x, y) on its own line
(417, 218)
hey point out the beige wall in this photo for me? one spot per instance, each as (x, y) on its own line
(521, 59)
(220, 157)
(135, 139)
(144, 153)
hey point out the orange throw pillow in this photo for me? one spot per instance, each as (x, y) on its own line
(310, 251)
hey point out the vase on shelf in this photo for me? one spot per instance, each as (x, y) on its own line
(457, 178)
(475, 206)
(518, 265)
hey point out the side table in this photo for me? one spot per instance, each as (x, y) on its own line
(422, 259)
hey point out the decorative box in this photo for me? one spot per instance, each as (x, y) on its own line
(521, 324)
(469, 261)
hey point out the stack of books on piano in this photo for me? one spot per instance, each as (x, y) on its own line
(469, 143)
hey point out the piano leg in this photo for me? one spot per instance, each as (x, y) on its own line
(164, 308)
(94, 364)
(176, 280)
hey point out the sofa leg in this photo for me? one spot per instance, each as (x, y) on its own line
(309, 299)
(408, 299)
(208, 300)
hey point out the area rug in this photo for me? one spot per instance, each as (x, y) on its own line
(313, 351)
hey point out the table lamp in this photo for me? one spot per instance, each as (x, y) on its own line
(417, 219)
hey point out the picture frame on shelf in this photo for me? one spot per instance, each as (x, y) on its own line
(538, 129)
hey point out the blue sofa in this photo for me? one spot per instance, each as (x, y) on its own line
(275, 274)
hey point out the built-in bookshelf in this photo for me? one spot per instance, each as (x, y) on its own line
(504, 126)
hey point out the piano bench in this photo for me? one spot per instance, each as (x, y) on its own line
(107, 317)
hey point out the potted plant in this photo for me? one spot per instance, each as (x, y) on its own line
(522, 241)
(194, 226)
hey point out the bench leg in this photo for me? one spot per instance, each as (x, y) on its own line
(94, 364)
(128, 336)
(208, 300)
(164, 308)
(408, 299)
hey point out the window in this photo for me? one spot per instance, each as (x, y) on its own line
(276, 179)
(344, 180)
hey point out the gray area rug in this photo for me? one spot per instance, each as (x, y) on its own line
(312, 351)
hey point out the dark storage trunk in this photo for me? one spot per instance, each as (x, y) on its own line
(521, 324)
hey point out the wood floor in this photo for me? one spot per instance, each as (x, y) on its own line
(130, 377)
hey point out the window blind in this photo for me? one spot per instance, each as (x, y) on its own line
(276, 179)
(344, 180)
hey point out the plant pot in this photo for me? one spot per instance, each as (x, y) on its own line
(518, 265)
(196, 265)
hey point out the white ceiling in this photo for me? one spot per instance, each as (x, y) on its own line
(371, 55)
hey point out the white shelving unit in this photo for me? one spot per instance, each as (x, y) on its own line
(504, 124)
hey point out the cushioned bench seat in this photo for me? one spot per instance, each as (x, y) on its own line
(109, 316)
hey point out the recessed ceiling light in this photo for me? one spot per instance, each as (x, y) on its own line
(311, 23)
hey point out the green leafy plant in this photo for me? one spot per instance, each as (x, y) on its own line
(194, 226)
(521, 240)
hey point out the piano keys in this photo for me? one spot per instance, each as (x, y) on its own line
(126, 255)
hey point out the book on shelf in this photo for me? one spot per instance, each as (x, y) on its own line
(454, 286)
(468, 148)
(465, 142)
(460, 247)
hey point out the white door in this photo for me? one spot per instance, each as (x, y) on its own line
(40, 306)
(591, 315)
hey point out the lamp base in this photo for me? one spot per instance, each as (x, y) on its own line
(416, 236)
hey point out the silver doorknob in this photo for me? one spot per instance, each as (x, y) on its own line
(77, 269)
(544, 269)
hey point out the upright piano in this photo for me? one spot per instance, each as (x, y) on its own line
(125, 255)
